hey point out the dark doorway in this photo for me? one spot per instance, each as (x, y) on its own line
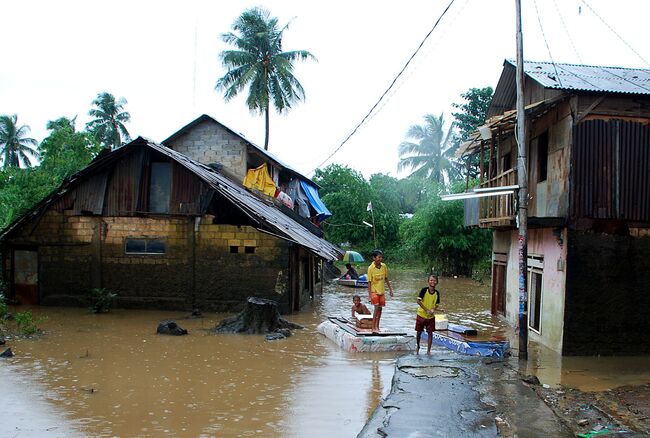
(25, 276)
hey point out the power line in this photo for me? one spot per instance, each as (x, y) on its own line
(566, 30)
(539, 20)
(387, 90)
(615, 33)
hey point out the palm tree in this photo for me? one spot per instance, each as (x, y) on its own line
(108, 125)
(429, 156)
(260, 64)
(15, 147)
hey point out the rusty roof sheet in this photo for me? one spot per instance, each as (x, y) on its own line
(588, 77)
(267, 215)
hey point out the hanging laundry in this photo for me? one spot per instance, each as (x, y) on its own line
(260, 179)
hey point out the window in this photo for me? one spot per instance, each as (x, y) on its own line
(160, 187)
(144, 246)
(542, 157)
(249, 250)
(535, 277)
(234, 249)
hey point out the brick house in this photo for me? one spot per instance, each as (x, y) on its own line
(164, 230)
(589, 205)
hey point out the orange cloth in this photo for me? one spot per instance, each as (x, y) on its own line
(260, 179)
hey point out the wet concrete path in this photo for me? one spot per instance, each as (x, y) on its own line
(448, 395)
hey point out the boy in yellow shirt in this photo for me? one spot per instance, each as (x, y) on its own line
(377, 276)
(428, 301)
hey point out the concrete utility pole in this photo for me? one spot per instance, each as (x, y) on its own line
(522, 180)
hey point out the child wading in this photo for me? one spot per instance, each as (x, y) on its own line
(428, 301)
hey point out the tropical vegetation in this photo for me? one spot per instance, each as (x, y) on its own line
(109, 118)
(259, 63)
(427, 156)
(16, 148)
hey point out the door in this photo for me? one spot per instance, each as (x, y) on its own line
(498, 288)
(25, 276)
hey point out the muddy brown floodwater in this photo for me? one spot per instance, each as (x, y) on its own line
(111, 375)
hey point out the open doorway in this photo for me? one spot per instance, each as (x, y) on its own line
(25, 276)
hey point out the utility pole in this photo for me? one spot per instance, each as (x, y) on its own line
(522, 181)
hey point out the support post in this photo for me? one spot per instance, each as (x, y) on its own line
(522, 179)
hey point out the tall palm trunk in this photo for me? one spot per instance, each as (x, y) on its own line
(266, 138)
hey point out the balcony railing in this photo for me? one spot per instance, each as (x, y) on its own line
(499, 210)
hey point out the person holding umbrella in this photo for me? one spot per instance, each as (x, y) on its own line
(377, 276)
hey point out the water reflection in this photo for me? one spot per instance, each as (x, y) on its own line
(113, 376)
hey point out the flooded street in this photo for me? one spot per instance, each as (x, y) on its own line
(111, 375)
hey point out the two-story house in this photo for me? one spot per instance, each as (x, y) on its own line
(173, 227)
(588, 173)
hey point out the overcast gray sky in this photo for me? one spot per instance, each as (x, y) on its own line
(162, 56)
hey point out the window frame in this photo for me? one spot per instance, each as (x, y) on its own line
(147, 241)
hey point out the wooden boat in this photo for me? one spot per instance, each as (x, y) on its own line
(352, 283)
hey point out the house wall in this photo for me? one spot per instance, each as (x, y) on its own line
(550, 198)
(541, 242)
(223, 278)
(208, 143)
(198, 269)
(608, 280)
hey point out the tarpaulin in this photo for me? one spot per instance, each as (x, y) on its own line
(322, 212)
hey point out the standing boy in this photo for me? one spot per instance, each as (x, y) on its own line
(377, 276)
(428, 301)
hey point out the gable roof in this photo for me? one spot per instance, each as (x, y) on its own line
(268, 217)
(206, 118)
(568, 77)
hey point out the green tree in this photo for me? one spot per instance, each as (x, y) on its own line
(437, 234)
(346, 194)
(472, 114)
(428, 156)
(66, 151)
(260, 64)
(16, 148)
(109, 119)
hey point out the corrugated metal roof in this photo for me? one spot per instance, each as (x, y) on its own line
(588, 77)
(267, 215)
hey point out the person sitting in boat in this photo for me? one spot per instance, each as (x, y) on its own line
(359, 307)
(351, 273)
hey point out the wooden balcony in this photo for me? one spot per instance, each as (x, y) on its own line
(500, 210)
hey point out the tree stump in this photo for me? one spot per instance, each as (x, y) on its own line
(260, 316)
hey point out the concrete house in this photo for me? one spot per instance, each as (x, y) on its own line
(589, 205)
(170, 228)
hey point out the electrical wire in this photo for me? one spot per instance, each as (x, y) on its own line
(566, 30)
(392, 84)
(539, 20)
(615, 33)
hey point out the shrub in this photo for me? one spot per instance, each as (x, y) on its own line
(26, 323)
(101, 299)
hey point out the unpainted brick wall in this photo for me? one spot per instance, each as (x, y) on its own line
(211, 277)
(209, 143)
(607, 295)
(225, 279)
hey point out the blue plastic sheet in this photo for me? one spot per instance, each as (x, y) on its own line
(322, 212)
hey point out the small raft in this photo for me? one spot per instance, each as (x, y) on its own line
(466, 344)
(346, 335)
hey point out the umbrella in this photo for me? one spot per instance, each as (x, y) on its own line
(352, 256)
